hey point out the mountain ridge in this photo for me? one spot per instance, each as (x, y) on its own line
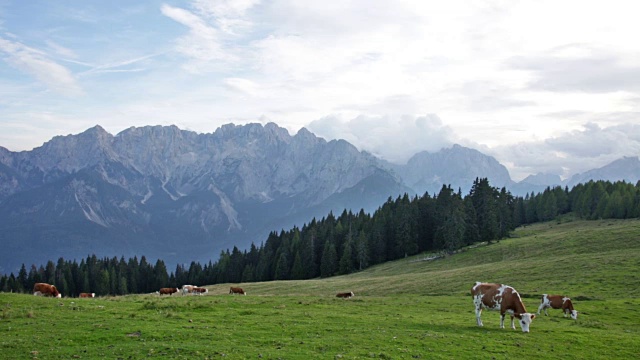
(179, 195)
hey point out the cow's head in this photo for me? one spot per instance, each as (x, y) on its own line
(525, 319)
(55, 292)
(574, 314)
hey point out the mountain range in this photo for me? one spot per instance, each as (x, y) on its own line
(182, 196)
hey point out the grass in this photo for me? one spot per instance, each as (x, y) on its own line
(402, 310)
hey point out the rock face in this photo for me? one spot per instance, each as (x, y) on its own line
(625, 169)
(457, 166)
(175, 194)
(182, 196)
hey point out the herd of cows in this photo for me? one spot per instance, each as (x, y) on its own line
(488, 296)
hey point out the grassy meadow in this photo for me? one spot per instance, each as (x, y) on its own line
(407, 309)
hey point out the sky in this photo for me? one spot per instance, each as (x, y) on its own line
(543, 86)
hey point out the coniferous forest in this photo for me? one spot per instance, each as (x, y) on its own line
(346, 243)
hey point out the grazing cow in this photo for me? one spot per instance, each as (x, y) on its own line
(87, 295)
(503, 298)
(557, 302)
(170, 291)
(187, 289)
(44, 289)
(200, 291)
(345, 295)
(236, 290)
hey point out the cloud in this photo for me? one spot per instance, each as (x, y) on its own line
(39, 65)
(118, 65)
(600, 73)
(229, 15)
(485, 95)
(202, 45)
(594, 142)
(571, 152)
(393, 138)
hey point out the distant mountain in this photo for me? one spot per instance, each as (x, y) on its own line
(174, 194)
(535, 184)
(627, 169)
(458, 166)
(182, 196)
(543, 179)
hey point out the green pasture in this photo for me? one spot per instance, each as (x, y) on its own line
(408, 309)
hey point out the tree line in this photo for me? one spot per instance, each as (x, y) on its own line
(350, 242)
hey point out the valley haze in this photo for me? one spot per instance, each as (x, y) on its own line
(183, 196)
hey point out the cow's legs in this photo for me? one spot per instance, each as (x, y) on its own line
(478, 313)
(513, 325)
(477, 301)
(540, 308)
(502, 321)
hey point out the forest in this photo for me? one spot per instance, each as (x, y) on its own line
(350, 242)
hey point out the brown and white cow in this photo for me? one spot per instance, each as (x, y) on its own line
(236, 290)
(87, 295)
(199, 290)
(345, 295)
(44, 289)
(187, 289)
(557, 302)
(503, 298)
(170, 291)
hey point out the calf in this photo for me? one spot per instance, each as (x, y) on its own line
(44, 289)
(236, 290)
(557, 302)
(503, 298)
(345, 295)
(170, 291)
(87, 295)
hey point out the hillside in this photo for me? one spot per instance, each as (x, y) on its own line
(587, 259)
(595, 262)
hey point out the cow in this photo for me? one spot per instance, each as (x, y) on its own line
(200, 291)
(236, 290)
(87, 295)
(345, 295)
(44, 289)
(503, 298)
(187, 289)
(557, 302)
(170, 291)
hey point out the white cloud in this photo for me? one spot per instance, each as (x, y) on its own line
(229, 15)
(395, 139)
(510, 78)
(38, 64)
(571, 152)
(202, 45)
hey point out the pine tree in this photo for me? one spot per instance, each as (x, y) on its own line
(362, 251)
(297, 270)
(329, 262)
(23, 280)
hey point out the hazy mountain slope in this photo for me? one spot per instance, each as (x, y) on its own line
(457, 166)
(183, 196)
(627, 169)
(165, 192)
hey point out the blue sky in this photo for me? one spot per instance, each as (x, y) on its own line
(544, 86)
